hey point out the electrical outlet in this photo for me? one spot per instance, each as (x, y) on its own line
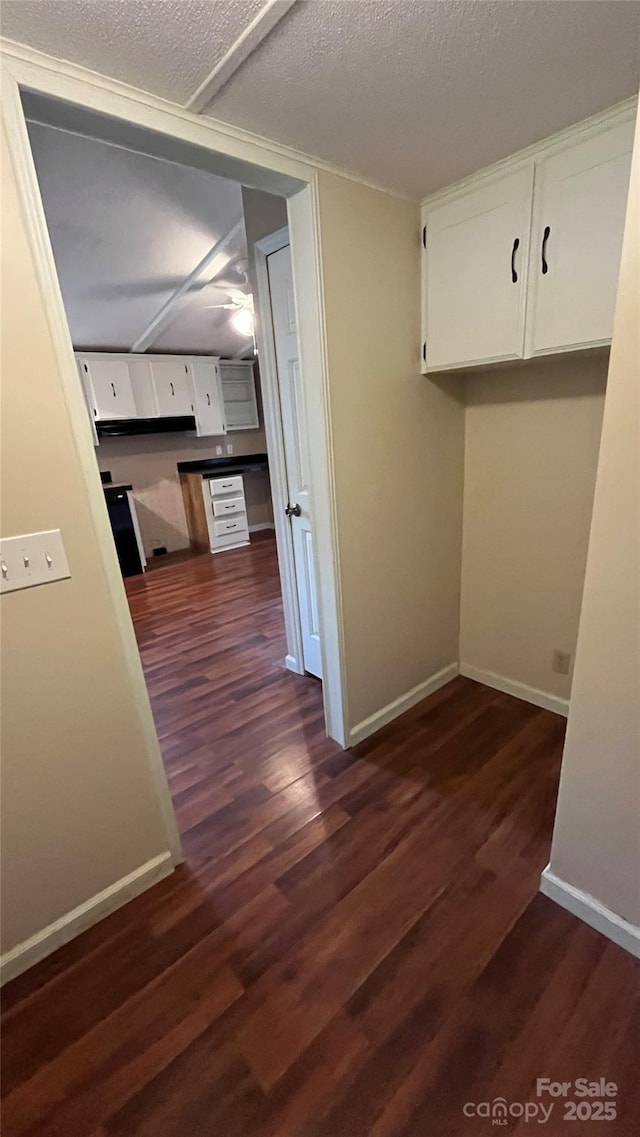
(229, 447)
(561, 662)
(218, 450)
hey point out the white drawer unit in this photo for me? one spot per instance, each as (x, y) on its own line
(226, 487)
(222, 507)
(222, 526)
(226, 512)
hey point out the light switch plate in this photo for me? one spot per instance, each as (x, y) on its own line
(32, 559)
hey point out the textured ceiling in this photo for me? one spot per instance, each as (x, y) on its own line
(412, 94)
(126, 231)
(167, 47)
(415, 95)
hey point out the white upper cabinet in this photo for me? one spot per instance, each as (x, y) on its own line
(476, 259)
(207, 396)
(120, 385)
(525, 261)
(144, 391)
(109, 389)
(578, 223)
(171, 381)
(239, 394)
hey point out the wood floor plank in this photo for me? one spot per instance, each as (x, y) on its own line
(356, 945)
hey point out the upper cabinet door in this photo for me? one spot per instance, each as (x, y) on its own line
(144, 391)
(579, 213)
(475, 273)
(172, 385)
(109, 386)
(208, 397)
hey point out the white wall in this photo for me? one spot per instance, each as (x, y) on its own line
(81, 808)
(398, 451)
(596, 841)
(531, 449)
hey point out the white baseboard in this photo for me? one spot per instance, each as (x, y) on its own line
(595, 914)
(261, 525)
(67, 927)
(402, 703)
(518, 690)
(291, 664)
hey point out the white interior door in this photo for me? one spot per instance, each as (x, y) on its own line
(296, 450)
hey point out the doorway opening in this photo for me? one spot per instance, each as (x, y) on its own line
(155, 370)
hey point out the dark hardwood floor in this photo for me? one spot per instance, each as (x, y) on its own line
(355, 945)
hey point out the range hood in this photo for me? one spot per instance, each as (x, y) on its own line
(123, 427)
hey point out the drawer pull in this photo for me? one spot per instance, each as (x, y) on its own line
(514, 274)
(545, 238)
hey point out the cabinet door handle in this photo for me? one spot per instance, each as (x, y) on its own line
(114, 390)
(545, 238)
(171, 385)
(514, 275)
(208, 399)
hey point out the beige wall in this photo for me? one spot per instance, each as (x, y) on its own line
(264, 213)
(149, 464)
(596, 842)
(531, 449)
(398, 451)
(80, 806)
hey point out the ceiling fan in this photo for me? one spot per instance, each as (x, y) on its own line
(241, 304)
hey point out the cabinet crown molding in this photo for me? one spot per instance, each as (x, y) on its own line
(604, 120)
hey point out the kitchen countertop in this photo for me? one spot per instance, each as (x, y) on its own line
(230, 464)
(112, 490)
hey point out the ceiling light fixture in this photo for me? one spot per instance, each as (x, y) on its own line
(242, 321)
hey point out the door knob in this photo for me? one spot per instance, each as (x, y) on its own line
(293, 511)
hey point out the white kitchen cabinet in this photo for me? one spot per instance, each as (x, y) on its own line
(207, 397)
(239, 394)
(172, 384)
(144, 392)
(88, 399)
(108, 384)
(226, 512)
(578, 223)
(476, 259)
(524, 260)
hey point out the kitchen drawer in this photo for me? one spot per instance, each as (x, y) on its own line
(223, 487)
(225, 526)
(224, 505)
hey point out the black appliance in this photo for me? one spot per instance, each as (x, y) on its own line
(124, 533)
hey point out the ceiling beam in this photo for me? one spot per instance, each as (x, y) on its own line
(251, 38)
(168, 311)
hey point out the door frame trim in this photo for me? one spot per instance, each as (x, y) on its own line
(270, 388)
(252, 161)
